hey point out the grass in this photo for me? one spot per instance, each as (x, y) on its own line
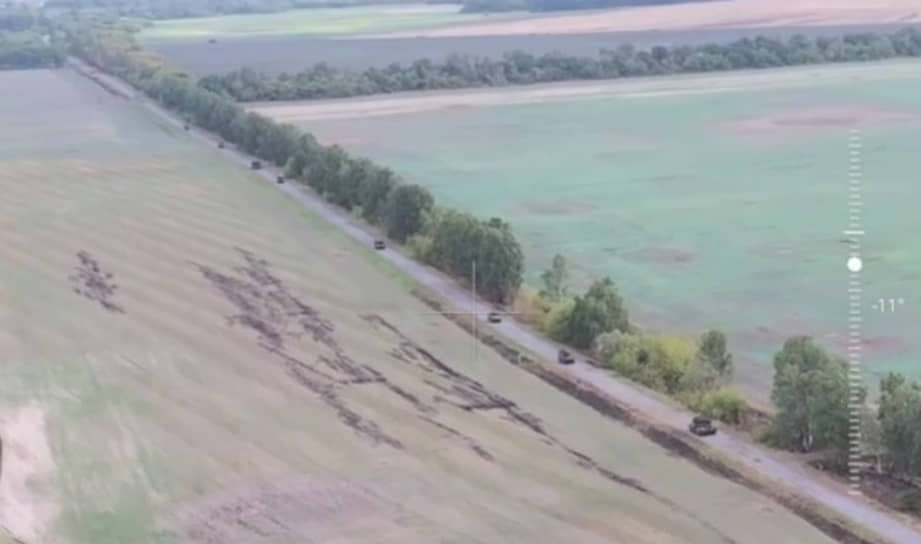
(704, 217)
(313, 22)
(166, 422)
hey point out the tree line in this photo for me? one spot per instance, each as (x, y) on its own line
(487, 6)
(811, 390)
(520, 68)
(23, 42)
(453, 238)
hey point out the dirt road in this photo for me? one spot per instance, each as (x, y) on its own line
(756, 459)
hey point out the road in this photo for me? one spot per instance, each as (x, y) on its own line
(756, 459)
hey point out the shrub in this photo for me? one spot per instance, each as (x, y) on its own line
(723, 404)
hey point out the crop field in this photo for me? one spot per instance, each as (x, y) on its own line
(294, 52)
(189, 357)
(712, 200)
(313, 21)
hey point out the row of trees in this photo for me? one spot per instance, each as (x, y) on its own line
(20, 50)
(453, 239)
(811, 389)
(487, 6)
(22, 39)
(816, 409)
(520, 68)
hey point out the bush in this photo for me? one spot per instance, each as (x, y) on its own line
(556, 319)
(656, 361)
(723, 404)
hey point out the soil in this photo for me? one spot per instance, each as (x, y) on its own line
(561, 207)
(817, 118)
(663, 255)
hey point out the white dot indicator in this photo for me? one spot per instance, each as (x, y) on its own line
(854, 264)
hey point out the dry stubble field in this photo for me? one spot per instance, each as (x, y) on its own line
(693, 15)
(187, 356)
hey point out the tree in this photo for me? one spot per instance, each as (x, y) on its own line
(554, 279)
(713, 351)
(373, 191)
(405, 210)
(600, 310)
(811, 395)
(871, 436)
(900, 414)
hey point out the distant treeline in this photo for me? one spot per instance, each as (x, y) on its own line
(475, 6)
(453, 239)
(22, 40)
(178, 9)
(520, 68)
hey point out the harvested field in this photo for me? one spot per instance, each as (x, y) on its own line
(313, 21)
(718, 200)
(266, 381)
(714, 14)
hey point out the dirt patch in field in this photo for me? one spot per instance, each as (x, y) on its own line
(662, 255)
(819, 118)
(26, 464)
(702, 15)
(559, 207)
(94, 283)
(875, 345)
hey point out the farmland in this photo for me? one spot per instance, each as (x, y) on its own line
(292, 52)
(314, 21)
(714, 200)
(188, 356)
(366, 36)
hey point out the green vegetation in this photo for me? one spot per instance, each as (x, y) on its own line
(22, 40)
(314, 21)
(899, 417)
(811, 393)
(520, 68)
(474, 6)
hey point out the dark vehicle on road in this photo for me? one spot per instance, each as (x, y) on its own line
(280, 179)
(379, 244)
(494, 317)
(702, 426)
(185, 127)
(255, 165)
(220, 145)
(565, 358)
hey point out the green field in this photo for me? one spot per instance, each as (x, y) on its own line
(714, 201)
(314, 21)
(187, 356)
